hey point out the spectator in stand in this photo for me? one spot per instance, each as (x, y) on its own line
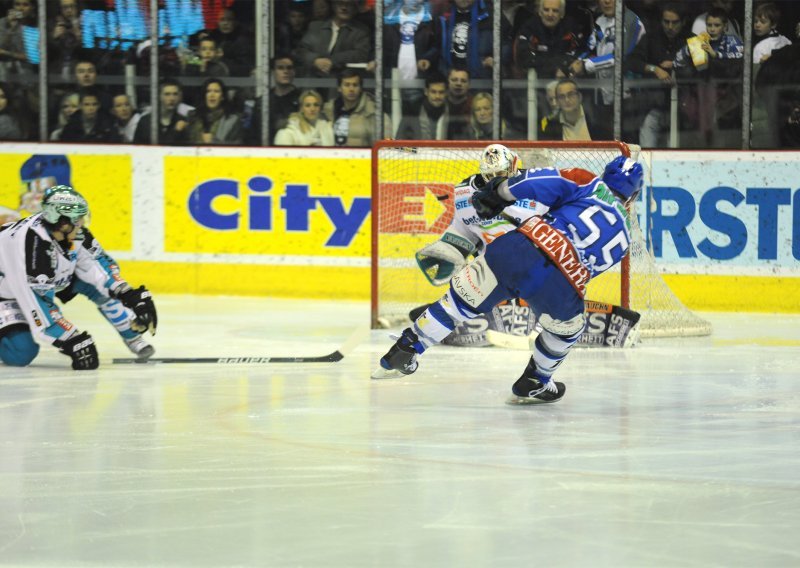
(208, 62)
(291, 28)
(320, 10)
(236, 45)
(13, 60)
(283, 100)
(306, 127)
(572, 122)
(714, 106)
(550, 96)
(777, 84)
(65, 38)
(459, 104)
(85, 76)
(765, 22)
(68, 106)
(790, 129)
(125, 117)
(214, 121)
(653, 57)
(429, 120)
(466, 38)
(173, 122)
(549, 42)
(352, 113)
(91, 123)
(599, 61)
(11, 127)
(732, 27)
(409, 39)
(481, 123)
(330, 46)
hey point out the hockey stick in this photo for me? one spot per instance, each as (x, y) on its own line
(338, 355)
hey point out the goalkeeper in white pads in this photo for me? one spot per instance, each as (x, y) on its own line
(468, 235)
(582, 231)
(40, 257)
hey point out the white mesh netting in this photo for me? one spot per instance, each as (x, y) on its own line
(414, 204)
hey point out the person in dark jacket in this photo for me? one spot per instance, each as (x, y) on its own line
(91, 123)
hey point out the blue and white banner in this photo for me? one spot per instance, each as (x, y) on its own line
(724, 212)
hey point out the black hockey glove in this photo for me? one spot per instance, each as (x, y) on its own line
(141, 302)
(487, 201)
(81, 349)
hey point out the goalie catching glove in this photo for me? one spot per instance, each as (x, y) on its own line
(141, 302)
(82, 350)
(488, 202)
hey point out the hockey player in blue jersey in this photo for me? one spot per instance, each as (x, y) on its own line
(583, 231)
(40, 257)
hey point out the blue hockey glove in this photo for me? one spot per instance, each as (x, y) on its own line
(487, 202)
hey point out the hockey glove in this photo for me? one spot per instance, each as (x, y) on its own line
(141, 302)
(487, 202)
(82, 350)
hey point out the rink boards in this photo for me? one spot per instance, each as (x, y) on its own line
(724, 226)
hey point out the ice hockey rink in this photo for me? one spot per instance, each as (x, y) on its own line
(678, 452)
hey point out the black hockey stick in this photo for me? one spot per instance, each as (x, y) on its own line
(334, 357)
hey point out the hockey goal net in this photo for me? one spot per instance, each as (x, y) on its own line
(412, 190)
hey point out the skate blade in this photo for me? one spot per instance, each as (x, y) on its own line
(515, 400)
(380, 373)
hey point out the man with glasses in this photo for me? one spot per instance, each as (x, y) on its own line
(571, 123)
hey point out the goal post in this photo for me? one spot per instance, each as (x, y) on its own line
(412, 205)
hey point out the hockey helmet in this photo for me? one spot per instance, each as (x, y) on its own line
(63, 201)
(624, 176)
(497, 160)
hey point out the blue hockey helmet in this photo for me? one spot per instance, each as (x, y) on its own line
(54, 167)
(625, 176)
(63, 201)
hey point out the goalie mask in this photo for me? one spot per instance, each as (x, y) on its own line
(61, 201)
(498, 161)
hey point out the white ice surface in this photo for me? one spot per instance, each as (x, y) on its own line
(681, 452)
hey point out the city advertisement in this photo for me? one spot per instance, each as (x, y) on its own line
(280, 207)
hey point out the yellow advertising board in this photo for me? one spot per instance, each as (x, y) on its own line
(269, 206)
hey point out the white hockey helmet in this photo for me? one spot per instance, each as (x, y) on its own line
(497, 160)
(63, 201)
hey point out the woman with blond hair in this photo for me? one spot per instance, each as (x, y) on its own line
(480, 124)
(306, 127)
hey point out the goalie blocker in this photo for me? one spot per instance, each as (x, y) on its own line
(512, 325)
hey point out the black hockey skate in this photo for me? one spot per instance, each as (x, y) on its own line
(530, 390)
(400, 360)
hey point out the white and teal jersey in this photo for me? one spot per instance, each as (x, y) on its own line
(467, 226)
(34, 267)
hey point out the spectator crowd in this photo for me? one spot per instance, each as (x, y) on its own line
(438, 62)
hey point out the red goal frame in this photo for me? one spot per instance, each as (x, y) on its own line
(613, 145)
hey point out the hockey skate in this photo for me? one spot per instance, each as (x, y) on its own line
(530, 390)
(140, 347)
(400, 360)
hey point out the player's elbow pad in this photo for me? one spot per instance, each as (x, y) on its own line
(439, 261)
